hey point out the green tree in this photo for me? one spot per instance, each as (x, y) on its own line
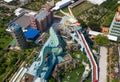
(94, 26)
(101, 40)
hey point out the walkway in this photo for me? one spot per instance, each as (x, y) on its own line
(119, 53)
(103, 65)
(119, 57)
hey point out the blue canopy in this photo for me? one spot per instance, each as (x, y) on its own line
(31, 33)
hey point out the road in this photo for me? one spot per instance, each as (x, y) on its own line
(8, 6)
(103, 65)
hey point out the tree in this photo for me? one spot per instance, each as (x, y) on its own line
(94, 26)
(101, 40)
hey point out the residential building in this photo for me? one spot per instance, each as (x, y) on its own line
(42, 20)
(115, 25)
(17, 33)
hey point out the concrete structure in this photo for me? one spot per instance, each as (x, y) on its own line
(115, 25)
(17, 33)
(97, 2)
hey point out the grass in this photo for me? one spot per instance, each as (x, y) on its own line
(82, 56)
(9, 62)
(115, 80)
(5, 38)
(36, 5)
(73, 75)
(106, 20)
(81, 8)
(77, 10)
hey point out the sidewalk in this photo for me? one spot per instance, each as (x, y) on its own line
(103, 65)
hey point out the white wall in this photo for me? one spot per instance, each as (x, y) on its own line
(98, 2)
